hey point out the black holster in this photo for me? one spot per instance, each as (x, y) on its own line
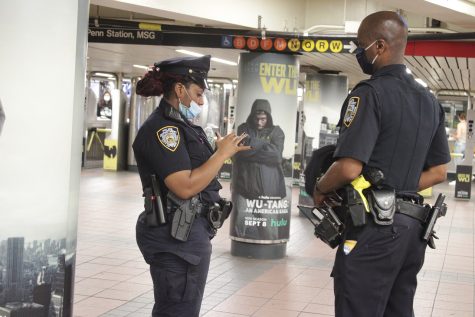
(354, 205)
(184, 215)
(154, 212)
(219, 212)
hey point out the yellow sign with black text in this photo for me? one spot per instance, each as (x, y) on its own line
(110, 154)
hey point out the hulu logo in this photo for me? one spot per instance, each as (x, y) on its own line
(278, 223)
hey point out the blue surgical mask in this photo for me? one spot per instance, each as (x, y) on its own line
(185, 111)
(366, 66)
(192, 111)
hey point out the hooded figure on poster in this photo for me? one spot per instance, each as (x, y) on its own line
(259, 171)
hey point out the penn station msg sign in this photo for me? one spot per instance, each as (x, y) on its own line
(124, 32)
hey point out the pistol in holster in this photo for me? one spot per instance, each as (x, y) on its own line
(154, 211)
(185, 211)
(439, 209)
(219, 212)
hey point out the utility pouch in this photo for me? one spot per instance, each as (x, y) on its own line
(185, 213)
(383, 205)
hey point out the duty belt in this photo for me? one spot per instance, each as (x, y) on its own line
(412, 210)
(203, 210)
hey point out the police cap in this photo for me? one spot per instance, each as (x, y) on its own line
(194, 67)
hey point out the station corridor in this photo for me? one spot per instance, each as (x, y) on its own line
(113, 280)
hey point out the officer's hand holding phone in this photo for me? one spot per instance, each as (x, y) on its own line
(230, 144)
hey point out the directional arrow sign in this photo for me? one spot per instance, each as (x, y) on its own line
(351, 48)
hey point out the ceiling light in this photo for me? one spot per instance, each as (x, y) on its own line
(141, 66)
(420, 81)
(190, 53)
(214, 59)
(210, 80)
(223, 61)
(102, 74)
(456, 5)
(408, 71)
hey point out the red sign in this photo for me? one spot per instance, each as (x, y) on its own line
(239, 42)
(252, 43)
(266, 44)
(280, 44)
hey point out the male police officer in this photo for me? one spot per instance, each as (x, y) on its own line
(391, 123)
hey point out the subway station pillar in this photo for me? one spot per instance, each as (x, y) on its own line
(262, 177)
(43, 64)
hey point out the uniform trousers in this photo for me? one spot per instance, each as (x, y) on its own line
(378, 276)
(178, 269)
(178, 285)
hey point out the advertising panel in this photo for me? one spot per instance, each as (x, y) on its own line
(266, 111)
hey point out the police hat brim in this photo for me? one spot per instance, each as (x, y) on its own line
(194, 67)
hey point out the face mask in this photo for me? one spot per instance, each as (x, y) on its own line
(366, 66)
(192, 111)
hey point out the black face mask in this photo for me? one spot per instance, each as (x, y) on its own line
(366, 66)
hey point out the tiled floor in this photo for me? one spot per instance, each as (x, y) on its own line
(113, 280)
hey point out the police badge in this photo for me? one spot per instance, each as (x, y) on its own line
(169, 137)
(351, 109)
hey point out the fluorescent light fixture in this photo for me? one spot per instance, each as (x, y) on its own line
(235, 81)
(210, 80)
(141, 66)
(408, 71)
(223, 61)
(461, 6)
(102, 74)
(421, 82)
(190, 53)
(214, 59)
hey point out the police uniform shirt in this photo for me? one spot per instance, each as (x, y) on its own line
(392, 123)
(166, 144)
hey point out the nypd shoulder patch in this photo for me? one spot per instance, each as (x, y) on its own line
(169, 137)
(351, 110)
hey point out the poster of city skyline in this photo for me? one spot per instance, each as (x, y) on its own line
(33, 277)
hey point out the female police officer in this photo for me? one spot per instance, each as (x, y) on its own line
(178, 153)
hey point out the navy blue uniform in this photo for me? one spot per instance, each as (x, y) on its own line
(392, 123)
(166, 143)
